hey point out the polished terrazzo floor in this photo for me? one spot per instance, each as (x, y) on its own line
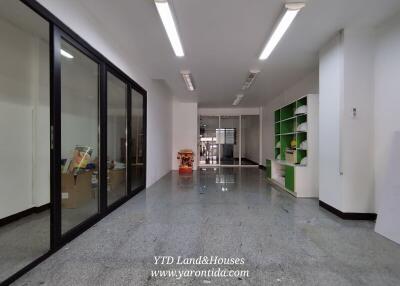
(230, 212)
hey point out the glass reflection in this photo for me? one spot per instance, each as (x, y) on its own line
(225, 179)
(25, 137)
(138, 171)
(229, 134)
(116, 138)
(209, 150)
(79, 137)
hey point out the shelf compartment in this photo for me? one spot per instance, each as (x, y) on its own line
(277, 152)
(285, 143)
(277, 115)
(300, 137)
(288, 126)
(301, 102)
(287, 111)
(277, 128)
(300, 155)
(301, 118)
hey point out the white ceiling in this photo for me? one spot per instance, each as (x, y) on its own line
(222, 40)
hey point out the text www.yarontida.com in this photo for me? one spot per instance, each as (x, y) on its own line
(210, 273)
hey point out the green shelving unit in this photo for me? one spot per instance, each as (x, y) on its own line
(268, 169)
(289, 178)
(286, 124)
(288, 173)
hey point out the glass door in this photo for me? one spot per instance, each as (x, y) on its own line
(79, 146)
(208, 145)
(229, 140)
(137, 141)
(116, 138)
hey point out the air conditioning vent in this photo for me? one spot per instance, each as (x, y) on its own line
(250, 79)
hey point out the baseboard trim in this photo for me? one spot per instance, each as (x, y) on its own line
(251, 161)
(262, 167)
(348, 216)
(17, 216)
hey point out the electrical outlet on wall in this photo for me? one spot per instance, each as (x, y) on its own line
(354, 112)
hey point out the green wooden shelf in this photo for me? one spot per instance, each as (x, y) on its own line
(285, 125)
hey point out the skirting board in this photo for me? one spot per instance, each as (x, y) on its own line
(17, 216)
(348, 216)
(279, 186)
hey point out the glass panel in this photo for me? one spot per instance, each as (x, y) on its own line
(250, 145)
(79, 136)
(25, 137)
(209, 151)
(138, 171)
(116, 138)
(229, 140)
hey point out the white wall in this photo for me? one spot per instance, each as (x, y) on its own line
(24, 118)
(387, 122)
(185, 129)
(159, 132)
(330, 93)
(251, 138)
(307, 85)
(159, 101)
(346, 141)
(358, 159)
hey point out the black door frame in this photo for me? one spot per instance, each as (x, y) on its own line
(58, 30)
(55, 110)
(122, 78)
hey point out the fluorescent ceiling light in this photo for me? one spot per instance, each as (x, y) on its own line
(66, 54)
(169, 25)
(187, 77)
(291, 11)
(238, 99)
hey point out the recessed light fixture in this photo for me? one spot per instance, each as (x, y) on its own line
(238, 99)
(250, 79)
(169, 25)
(66, 54)
(188, 78)
(283, 24)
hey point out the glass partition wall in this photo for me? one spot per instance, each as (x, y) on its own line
(208, 147)
(229, 140)
(74, 136)
(137, 135)
(25, 137)
(229, 144)
(79, 137)
(116, 139)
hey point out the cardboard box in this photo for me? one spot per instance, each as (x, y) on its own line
(117, 180)
(291, 156)
(76, 191)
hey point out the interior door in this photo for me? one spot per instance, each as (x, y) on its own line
(229, 131)
(76, 127)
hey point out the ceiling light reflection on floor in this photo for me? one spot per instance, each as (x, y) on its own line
(225, 179)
